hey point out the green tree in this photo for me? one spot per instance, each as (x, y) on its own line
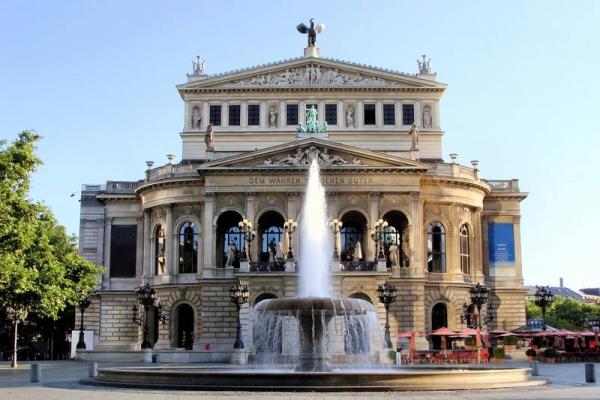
(40, 270)
(565, 313)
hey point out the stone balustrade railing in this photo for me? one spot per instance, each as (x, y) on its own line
(172, 170)
(453, 170)
(121, 187)
(503, 185)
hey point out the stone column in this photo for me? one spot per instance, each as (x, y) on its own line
(373, 217)
(251, 215)
(281, 118)
(292, 201)
(100, 243)
(301, 115)
(435, 109)
(243, 115)
(359, 114)
(147, 263)
(398, 115)
(225, 114)
(321, 111)
(107, 236)
(341, 118)
(416, 243)
(208, 229)
(263, 114)
(379, 114)
(187, 123)
(418, 116)
(205, 115)
(169, 245)
(476, 245)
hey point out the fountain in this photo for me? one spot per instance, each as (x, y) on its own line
(313, 323)
(315, 309)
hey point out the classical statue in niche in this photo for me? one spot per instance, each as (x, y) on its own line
(414, 135)
(273, 117)
(427, 117)
(405, 248)
(196, 118)
(350, 117)
(209, 137)
(358, 254)
(394, 255)
(231, 254)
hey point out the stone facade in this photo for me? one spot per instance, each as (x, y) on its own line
(172, 228)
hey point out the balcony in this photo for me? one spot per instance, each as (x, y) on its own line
(504, 185)
(172, 170)
(452, 170)
(268, 266)
(358, 266)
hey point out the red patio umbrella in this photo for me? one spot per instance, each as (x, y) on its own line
(478, 343)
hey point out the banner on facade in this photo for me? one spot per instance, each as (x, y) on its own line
(501, 247)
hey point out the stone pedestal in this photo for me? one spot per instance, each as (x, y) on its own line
(239, 357)
(290, 266)
(244, 266)
(312, 52)
(381, 266)
(147, 355)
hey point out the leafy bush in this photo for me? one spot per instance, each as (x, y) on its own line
(531, 353)
(392, 355)
(498, 352)
(550, 352)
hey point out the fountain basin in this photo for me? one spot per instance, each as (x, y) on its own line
(211, 378)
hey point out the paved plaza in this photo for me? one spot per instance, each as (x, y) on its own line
(60, 381)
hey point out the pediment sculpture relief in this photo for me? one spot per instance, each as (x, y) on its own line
(304, 156)
(314, 75)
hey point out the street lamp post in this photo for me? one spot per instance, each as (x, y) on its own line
(387, 295)
(376, 234)
(290, 227)
(239, 295)
(336, 225)
(479, 295)
(543, 299)
(249, 235)
(146, 296)
(83, 304)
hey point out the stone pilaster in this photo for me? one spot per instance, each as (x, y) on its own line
(169, 245)
(374, 198)
(107, 235)
(417, 246)
(147, 262)
(251, 216)
(209, 230)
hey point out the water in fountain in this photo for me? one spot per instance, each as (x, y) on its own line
(309, 329)
(315, 239)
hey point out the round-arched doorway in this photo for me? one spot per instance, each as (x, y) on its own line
(184, 327)
(439, 319)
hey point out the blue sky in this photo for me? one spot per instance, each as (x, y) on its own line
(96, 79)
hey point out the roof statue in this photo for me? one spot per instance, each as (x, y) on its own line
(198, 71)
(312, 31)
(424, 65)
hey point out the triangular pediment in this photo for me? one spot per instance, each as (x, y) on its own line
(298, 155)
(311, 72)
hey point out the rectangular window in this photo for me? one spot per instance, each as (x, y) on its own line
(331, 114)
(291, 114)
(234, 114)
(253, 114)
(123, 244)
(408, 114)
(389, 114)
(369, 114)
(215, 115)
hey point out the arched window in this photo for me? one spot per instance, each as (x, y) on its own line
(270, 226)
(436, 248)
(354, 224)
(393, 235)
(159, 250)
(188, 248)
(230, 239)
(465, 253)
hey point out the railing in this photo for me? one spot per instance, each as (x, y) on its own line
(121, 186)
(170, 170)
(359, 265)
(506, 185)
(267, 266)
(455, 170)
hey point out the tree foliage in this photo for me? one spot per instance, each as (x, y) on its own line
(565, 313)
(40, 269)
